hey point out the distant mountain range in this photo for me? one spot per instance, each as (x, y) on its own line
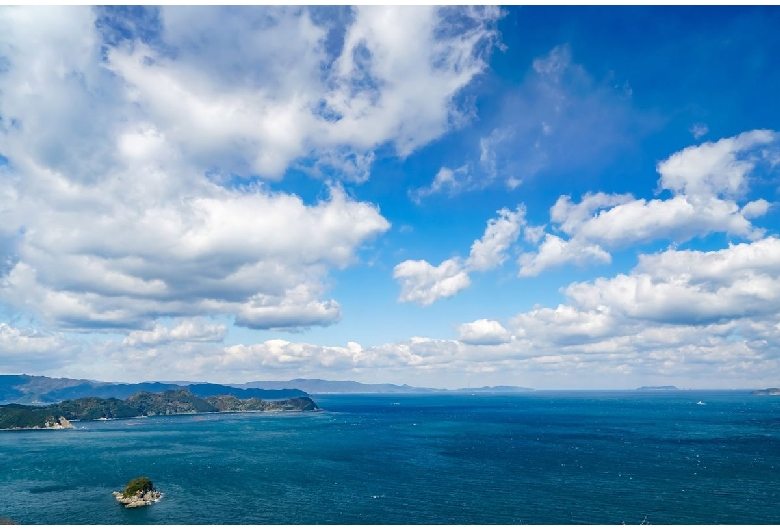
(323, 386)
(40, 390)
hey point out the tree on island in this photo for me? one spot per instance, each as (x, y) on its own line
(138, 485)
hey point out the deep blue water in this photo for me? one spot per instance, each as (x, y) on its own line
(540, 458)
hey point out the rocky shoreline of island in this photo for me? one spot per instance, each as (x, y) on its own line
(138, 492)
(140, 405)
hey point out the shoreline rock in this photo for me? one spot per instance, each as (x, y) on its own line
(139, 499)
(139, 492)
(62, 423)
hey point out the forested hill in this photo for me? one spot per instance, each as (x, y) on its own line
(169, 402)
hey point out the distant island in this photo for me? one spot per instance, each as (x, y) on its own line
(141, 404)
(767, 392)
(138, 492)
(665, 387)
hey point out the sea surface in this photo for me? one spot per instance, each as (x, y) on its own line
(536, 458)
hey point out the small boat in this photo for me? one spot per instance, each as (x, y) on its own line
(701, 403)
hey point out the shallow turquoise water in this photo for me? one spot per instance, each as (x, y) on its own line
(540, 458)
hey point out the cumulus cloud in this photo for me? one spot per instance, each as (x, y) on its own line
(424, 283)
(706, 182)
(680, 316)
(184, 330)
(135, 213)
(692, 286)
(24, 350)
(552, 347)
(490, 251)
(483, 331)
(554, 251)
(119, 264)
(288, 93)
(715, 169)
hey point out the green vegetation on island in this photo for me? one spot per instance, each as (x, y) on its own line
(138, 485)
(59, 415)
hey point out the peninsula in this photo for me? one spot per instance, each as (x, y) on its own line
(141, 404)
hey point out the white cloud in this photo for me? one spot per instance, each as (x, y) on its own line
(423, 283)
(555, 347)
(185, 330)
(569, 216)
(757, 208)
(554, 251)
(513, 182)
(25, 350)
(261, 257)
(565, 325)
(488, 158)
(692, 287)
(680, 317)
(450, 180)
(715, 169)
(699, 129)
(135, 213)
(490, 251)
(706, 181)
(483, 331)
(284, 93)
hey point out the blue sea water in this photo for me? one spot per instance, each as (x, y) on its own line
(537, 458)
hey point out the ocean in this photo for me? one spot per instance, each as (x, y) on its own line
(537, 458)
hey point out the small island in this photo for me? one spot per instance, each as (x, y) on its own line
(138, 492)
(139, 405)
(767, 392)
(662, 387)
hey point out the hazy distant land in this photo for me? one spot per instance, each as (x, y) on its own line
(323, 386)
(767, 392)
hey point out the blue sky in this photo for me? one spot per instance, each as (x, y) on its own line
(553, 197)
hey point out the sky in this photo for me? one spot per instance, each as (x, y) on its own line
(549, 197)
